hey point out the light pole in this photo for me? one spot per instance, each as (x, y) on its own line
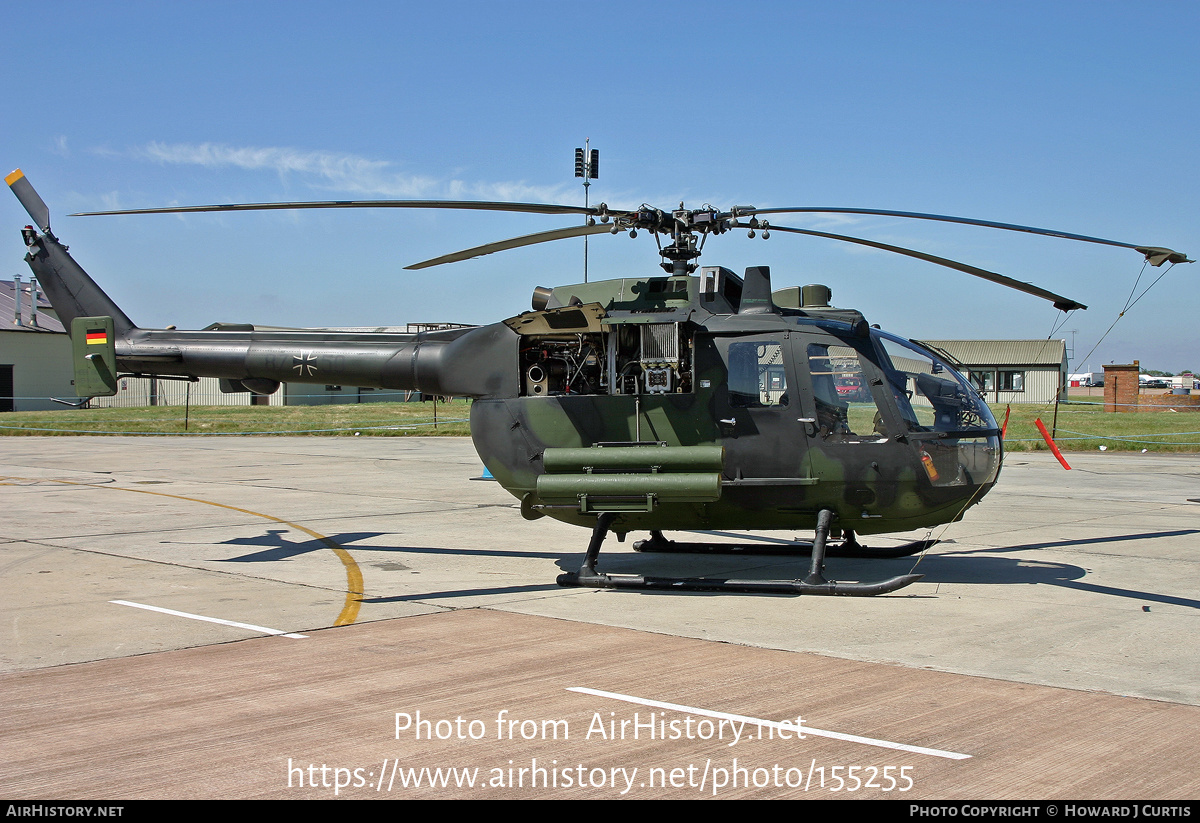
(587, 166)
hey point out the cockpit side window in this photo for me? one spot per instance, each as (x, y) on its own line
(931, 395)
(845, 407)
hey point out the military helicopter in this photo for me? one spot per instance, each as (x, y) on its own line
(689, 401)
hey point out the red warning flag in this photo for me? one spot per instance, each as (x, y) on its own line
(1046, 436)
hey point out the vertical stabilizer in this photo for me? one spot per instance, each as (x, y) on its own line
(94, 350)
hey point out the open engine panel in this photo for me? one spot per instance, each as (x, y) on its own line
(631, 358)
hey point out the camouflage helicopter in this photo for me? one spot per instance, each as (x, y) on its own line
(688, 401)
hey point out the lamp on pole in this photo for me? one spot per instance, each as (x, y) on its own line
(587, 166)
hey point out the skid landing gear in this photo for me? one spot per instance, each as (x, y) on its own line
(848, 547)
(813, 583)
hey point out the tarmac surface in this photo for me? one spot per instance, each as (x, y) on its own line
(1048, 652)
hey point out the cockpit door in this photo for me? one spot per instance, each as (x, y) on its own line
(850, 425)
(750, 381)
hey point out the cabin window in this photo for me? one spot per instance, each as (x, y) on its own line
(985, 381)
(757, 374)
(1012, 381)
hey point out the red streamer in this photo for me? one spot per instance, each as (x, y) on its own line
(1046, 436)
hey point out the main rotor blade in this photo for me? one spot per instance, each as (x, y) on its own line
(472, 205)
(1060, 302)
(30, 199)
(1154, 254)
(513, 243)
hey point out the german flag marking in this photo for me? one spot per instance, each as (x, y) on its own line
(96, 336)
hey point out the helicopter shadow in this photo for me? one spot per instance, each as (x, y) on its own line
(454, 593)
(968, 566)
(280, 548)
(965, 566)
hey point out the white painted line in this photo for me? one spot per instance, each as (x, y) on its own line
(774, 724)
(262, 629)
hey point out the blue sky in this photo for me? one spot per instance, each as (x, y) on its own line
(1073, 116)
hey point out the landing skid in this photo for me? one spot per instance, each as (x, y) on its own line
(814, 583)
(849, 547)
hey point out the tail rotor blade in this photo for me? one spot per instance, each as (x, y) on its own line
(30, 199)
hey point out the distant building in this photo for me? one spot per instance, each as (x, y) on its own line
(309, 394)
(1085, 379)
(135, 392)
(1010, 371)
(35, 352)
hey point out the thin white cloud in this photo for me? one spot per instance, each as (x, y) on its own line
(112, 201)
(346, 173)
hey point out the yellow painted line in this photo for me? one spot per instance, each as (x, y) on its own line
(354, 578)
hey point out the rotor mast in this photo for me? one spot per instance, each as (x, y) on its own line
(679, 254)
